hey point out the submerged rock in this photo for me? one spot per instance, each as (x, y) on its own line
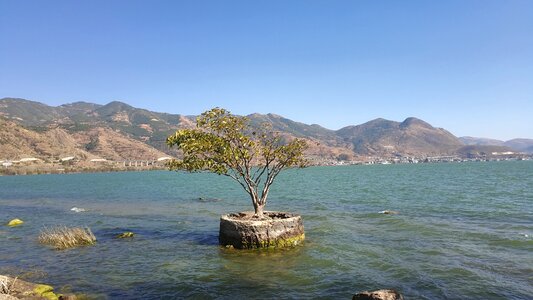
(201, 199)
(15, 222)
(124, 235)
(378, 295)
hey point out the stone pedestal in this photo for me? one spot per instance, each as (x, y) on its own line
(274, 230)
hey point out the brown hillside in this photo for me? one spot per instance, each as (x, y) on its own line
(17, 142)
(411, 137)
(112, 145)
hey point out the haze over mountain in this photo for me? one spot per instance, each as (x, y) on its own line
(118, 131)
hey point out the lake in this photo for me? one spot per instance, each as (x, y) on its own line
(464, 231)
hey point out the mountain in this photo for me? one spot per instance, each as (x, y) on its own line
(522, 145)
(323, 143)
(18, 142)
(77, 108)
(481, 150)
(28, 113)
(297, 129)
(119, 131)
(469, 140)
(413, 136)
(525, 145)
(148, 127)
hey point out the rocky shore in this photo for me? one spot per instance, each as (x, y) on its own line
(15, 288)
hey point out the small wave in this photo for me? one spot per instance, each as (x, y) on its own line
(389, 212)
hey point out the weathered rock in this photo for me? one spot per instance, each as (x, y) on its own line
(378, 295)
(15, 222)
(276, 230)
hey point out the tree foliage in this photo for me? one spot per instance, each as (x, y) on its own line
(226, 144)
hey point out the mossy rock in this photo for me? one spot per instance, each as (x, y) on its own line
(45, 291)
(15, 222)
(124, 235)
(21, 289)
(275, 243)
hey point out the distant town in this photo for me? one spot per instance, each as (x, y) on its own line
(72, 164)
(399, 159)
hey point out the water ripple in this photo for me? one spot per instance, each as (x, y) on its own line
(463, 231)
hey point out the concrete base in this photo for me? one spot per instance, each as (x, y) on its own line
(275, 230)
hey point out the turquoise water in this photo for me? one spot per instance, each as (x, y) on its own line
(464, 232)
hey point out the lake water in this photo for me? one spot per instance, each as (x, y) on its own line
(464, 231)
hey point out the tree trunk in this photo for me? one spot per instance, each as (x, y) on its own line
(259, 209)
(258, 205)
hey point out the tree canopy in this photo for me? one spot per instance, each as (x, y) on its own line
(226, 144)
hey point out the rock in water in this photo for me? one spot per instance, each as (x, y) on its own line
(77, 209)
(124, 235)
(20, 289)
(15, 222)
(378, 295)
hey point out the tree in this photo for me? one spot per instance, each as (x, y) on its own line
(228, 145)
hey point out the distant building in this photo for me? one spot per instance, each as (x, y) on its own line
(98, 160)
(28, 159)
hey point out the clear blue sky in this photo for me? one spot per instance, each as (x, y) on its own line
(464, 65)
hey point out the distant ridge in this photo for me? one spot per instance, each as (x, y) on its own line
(118, 130)
(482, 150)
(524, 145)
(413, 136)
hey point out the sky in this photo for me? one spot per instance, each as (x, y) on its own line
(465, 65)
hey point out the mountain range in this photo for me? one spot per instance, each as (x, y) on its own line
(118, 131)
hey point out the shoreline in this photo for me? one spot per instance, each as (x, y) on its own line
(12, 288)
(50, 170)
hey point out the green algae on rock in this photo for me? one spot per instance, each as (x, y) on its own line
(15, 288)
(45, 291)
(15, 222)
(127, 234)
